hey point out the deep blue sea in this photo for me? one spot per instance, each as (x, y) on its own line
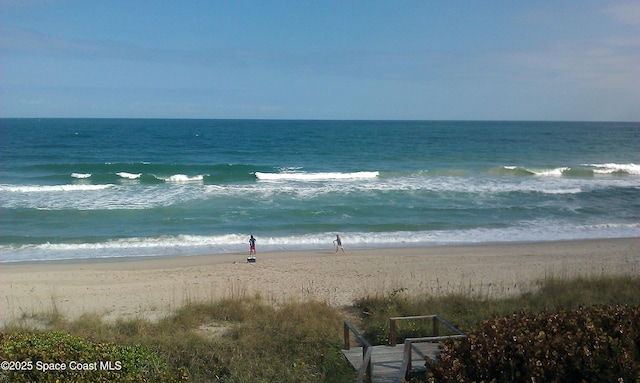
(100, 188)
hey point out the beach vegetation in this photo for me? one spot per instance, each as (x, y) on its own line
(586, 328)
(465, 310)
(232, 340)
(245, 338)
(587, 344)
(59, 357)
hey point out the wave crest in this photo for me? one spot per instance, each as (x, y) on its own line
(180, 178)
(584, 170)
(613, 168)
(314, 176)
(129, 176)
(80, 175)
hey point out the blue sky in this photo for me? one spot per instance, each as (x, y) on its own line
(425, 60)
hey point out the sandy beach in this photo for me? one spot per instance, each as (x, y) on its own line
(153, 287)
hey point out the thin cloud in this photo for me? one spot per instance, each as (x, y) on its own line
(597, 66)
(30, 43)
(27, 42)
(353, 63)
(628, 13)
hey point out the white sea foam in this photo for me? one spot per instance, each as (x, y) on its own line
(180, 178)
(418, 183)
(232, 243)
(609, 168)
(95, 197)
(81, 175)
(612, 168)
(314, 176)
(129, 176)
(53, 188)
(183, 189)
(562, 191)
(557, 172)
(290, 169)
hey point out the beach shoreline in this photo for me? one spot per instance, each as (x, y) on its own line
(153, 287)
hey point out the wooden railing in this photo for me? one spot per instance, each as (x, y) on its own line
(436, 326)
(365, 369)
(408, 343)
(367, 349)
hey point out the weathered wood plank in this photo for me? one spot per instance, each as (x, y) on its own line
(387, 361)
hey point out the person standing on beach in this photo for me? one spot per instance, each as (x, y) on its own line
(338, 243)
(252, 246)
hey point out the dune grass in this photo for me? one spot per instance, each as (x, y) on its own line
(466, 311)
(231, 340)
(248, 339)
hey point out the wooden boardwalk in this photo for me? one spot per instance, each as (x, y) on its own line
(386, 361)
(390, 364)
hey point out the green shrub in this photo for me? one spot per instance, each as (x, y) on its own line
(595, 344)
(57, 357)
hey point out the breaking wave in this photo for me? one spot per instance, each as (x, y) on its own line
(314, 176)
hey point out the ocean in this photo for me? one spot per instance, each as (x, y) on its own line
(107, 188)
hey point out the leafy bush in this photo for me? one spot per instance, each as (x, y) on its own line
(595, 344)
(57, 357)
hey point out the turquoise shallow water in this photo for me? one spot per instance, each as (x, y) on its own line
(90, 188)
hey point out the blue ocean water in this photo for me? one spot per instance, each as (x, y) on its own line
(98, 188)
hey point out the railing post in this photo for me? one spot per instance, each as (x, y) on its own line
(392, 329)
(368, 372)
(436, 326)
(347, 344)
(406, 359)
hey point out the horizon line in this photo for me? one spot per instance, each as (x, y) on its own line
(306, 119)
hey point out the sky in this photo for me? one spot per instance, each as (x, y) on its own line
(369, 60)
